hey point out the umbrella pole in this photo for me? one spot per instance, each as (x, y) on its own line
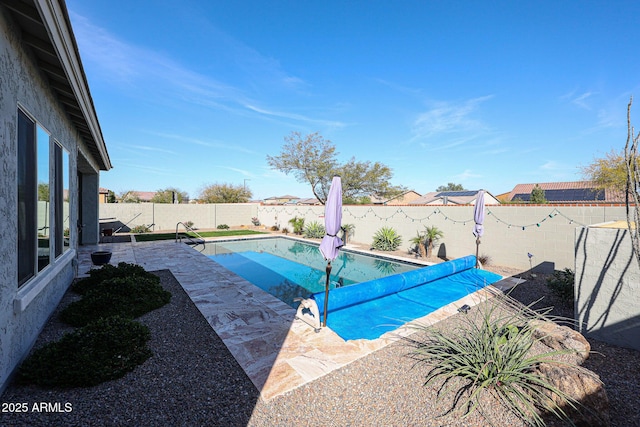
(326, 295)
(477, 248)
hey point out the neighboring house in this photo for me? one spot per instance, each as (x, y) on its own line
(103, 195)
(145, 196)
(567, 192)
(401, 199)
(49, 136)
(312, 201)
(503, 197)
(281, 200)
(465, 197)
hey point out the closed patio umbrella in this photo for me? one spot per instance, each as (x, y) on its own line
(331, 243)
(478, 217)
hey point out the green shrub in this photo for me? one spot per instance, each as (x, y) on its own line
(129, 297)
(490, 353)
(314, 230)
(103, 350)
(222, 227)
(297, 224)
(109, 271)
(561, 283)
(386, 239)
(140, 229)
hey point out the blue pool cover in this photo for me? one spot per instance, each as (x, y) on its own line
(369, 309)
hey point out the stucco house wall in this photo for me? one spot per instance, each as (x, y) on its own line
(25, 309)
(607, 285)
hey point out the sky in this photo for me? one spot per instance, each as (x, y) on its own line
(486, 94)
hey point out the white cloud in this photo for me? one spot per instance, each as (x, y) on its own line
(297, 117)
(581, 100)
(138, 69)
(466, 175)
(210, 144)
(447, 118)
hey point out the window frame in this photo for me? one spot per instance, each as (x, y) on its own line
(55, 158)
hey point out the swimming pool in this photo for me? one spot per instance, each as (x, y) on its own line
(369, 295)
(289, 269)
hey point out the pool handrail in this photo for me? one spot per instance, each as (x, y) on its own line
(199, 241)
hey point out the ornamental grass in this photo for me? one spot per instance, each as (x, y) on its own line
(492, 351)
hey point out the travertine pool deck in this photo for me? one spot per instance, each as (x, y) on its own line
(277, 351)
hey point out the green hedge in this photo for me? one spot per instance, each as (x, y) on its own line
(105, 349)
(129, 297)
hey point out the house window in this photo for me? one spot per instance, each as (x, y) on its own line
(43, 213)
(27, 198)
(44, 198)
(61, 199)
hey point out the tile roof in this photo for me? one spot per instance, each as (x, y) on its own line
(568, 191)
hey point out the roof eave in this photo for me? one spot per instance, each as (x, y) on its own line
(66, 75)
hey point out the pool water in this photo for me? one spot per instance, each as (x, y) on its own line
(288, 268)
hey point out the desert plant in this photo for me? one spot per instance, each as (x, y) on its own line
(349, 231)
(188, 224)
(484, 260)
(561, 283)
(255, 221)
(314, 230)
(490, 353)
(297, 224)
(129, 297)
(222, 227)
(285, 230)
(431, 236)
(419, 244)
(386, 239)
(103, 350)
(275, 227)
(140, 229)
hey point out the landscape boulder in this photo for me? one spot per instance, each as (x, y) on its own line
(584, 387)
(561, 338)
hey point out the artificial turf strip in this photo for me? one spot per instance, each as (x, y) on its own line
(148, 237)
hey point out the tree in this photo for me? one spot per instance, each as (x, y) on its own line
(537, 196)
(609, 172)
(166, 196)
(43, 191)
(432, 235)
(111, 197)
(129, 197)
(225, 193)
(362, 179)
(451, 187)
(312, 160)
(632, 184)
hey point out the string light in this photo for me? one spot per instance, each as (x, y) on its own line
(297, 211)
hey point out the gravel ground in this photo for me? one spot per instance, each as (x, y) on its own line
(193, 380)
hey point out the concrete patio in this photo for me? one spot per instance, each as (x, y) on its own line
(276, 350)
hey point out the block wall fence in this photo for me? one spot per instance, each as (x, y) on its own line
(607, 286)
(511, 231)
